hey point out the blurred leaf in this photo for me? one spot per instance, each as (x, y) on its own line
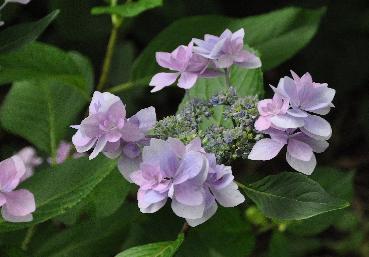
(41, 112)
(224, 234)
(291, 196)
(110, 194)
(284, 245)
(17, 36)
(129, 9)
(60, 188)
(96, 238)
(162, 249)
(43, 62)
(338, 184)
(277, 35)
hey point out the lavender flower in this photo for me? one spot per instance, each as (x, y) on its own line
(300, 149)
(134, 138)
(30, 159)
(187, 175)
(17, 205)
(172, 170)
(103, 125)
(226, 50)
(219, 187)
(307, 97)
(187, 66)
(273, 112)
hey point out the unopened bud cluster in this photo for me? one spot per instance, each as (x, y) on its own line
(225, 125)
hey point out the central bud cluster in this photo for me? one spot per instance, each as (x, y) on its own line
(225, 125)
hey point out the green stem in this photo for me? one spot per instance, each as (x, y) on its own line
(227, 77)
(27, 239)
(108, 58)
(185, 229)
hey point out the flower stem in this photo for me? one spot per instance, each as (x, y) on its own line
(185, 229)
(108, 58)
(227, 77)
(117, 23)
(27, 239)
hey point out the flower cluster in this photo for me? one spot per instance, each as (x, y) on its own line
(183, 157)
(16, 205)
(107, 130)
(289, 119)
(229, 140)
(203, 58)
(187, 175)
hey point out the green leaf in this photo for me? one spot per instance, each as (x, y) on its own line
(43, 62)
(245, 81)
(277, 35)
(95, 238)
(17, 36)
(60, 188)
(110, 194)
(338, 184)
(224, 234)
(129, 9)
(162, 249)
(291, 196)
(41, 112)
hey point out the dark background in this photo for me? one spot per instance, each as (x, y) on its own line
(338, 55)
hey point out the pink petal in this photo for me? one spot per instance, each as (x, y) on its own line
(248, 60)
(285, 121)
(229, 196)
(262, 123)
(11, 171)
(146, 118)
(187, 80)
(189, 194)
(11, 218)
(100, 144)
(163, 79)
(299, 150)
(265, 149)
(186, 211)
(317, 127)
(164, 60)
(20, 202)
(131, 133)
(305, 167)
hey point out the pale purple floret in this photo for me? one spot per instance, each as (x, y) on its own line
(307, 97)
(17, 205)
(183, 173)
(226, 50)
(300, 149)
(133, 139)
(64, 152)
(185, 64)
(219, 187)
(30, 159)
(172, 170)
(273, 113)
(103, 125)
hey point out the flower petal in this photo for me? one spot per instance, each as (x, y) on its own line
(163, 79)
(285, 121)
(20, 202)
(318, 127)
(299, 150)
(11, 171)
(229, 196)
(305, 167)
(186, 211)
(187, 80)
(126, 166)
(265, 149)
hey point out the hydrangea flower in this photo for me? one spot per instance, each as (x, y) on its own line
(219, 187)
(300, 149)
(307, 97)
(17, 205)
(185, 64)
(187, 175)
(172, 170)
(104, 124)
(274, 113)
(226, 50)
(30, 159)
